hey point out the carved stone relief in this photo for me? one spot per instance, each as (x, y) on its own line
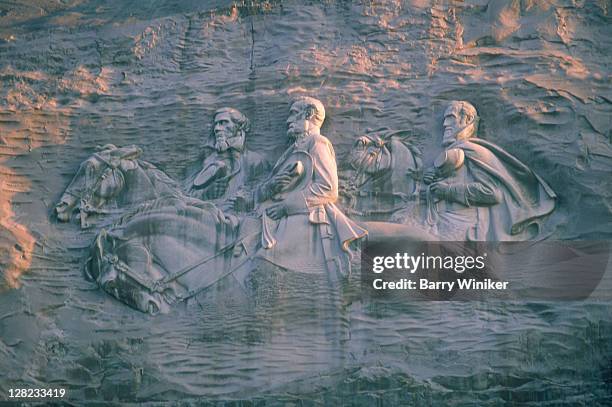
(191, 202)
(169, 245)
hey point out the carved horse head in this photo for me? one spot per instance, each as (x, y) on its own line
(164, 251)
(109, 179)
(386, 171)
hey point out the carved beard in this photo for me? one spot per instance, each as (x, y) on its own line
(294, 136)
(223, 143)
(298, 130)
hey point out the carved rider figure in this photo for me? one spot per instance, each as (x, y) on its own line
(227, 165)
(302, 228)
(478, 191)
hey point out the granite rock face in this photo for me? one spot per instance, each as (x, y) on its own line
(80, 74)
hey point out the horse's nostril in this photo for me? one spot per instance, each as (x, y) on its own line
(62, 214)
(110, 285)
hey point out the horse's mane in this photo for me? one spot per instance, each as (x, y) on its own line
(174, 201)
(145, 207)
(405, 137)
(156, 173)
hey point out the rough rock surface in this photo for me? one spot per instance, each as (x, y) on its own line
(78, 73)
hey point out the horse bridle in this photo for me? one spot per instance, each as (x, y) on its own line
(85, 205)
(160, 286)
(353, 182)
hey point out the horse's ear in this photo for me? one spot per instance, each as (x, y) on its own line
(132, 152)
(106, 147)
(379, 132)
(362, 141)
(127, 153)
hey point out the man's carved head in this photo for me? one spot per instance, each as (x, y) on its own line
(305, 116)
(229, 129)
(460, 122)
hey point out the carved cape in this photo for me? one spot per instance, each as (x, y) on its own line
(524, 197)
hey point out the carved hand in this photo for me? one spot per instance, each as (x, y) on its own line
(442, 190)
(277, 211)
(430, 176)
(280, 181)
(216, 189)
(241, 202)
